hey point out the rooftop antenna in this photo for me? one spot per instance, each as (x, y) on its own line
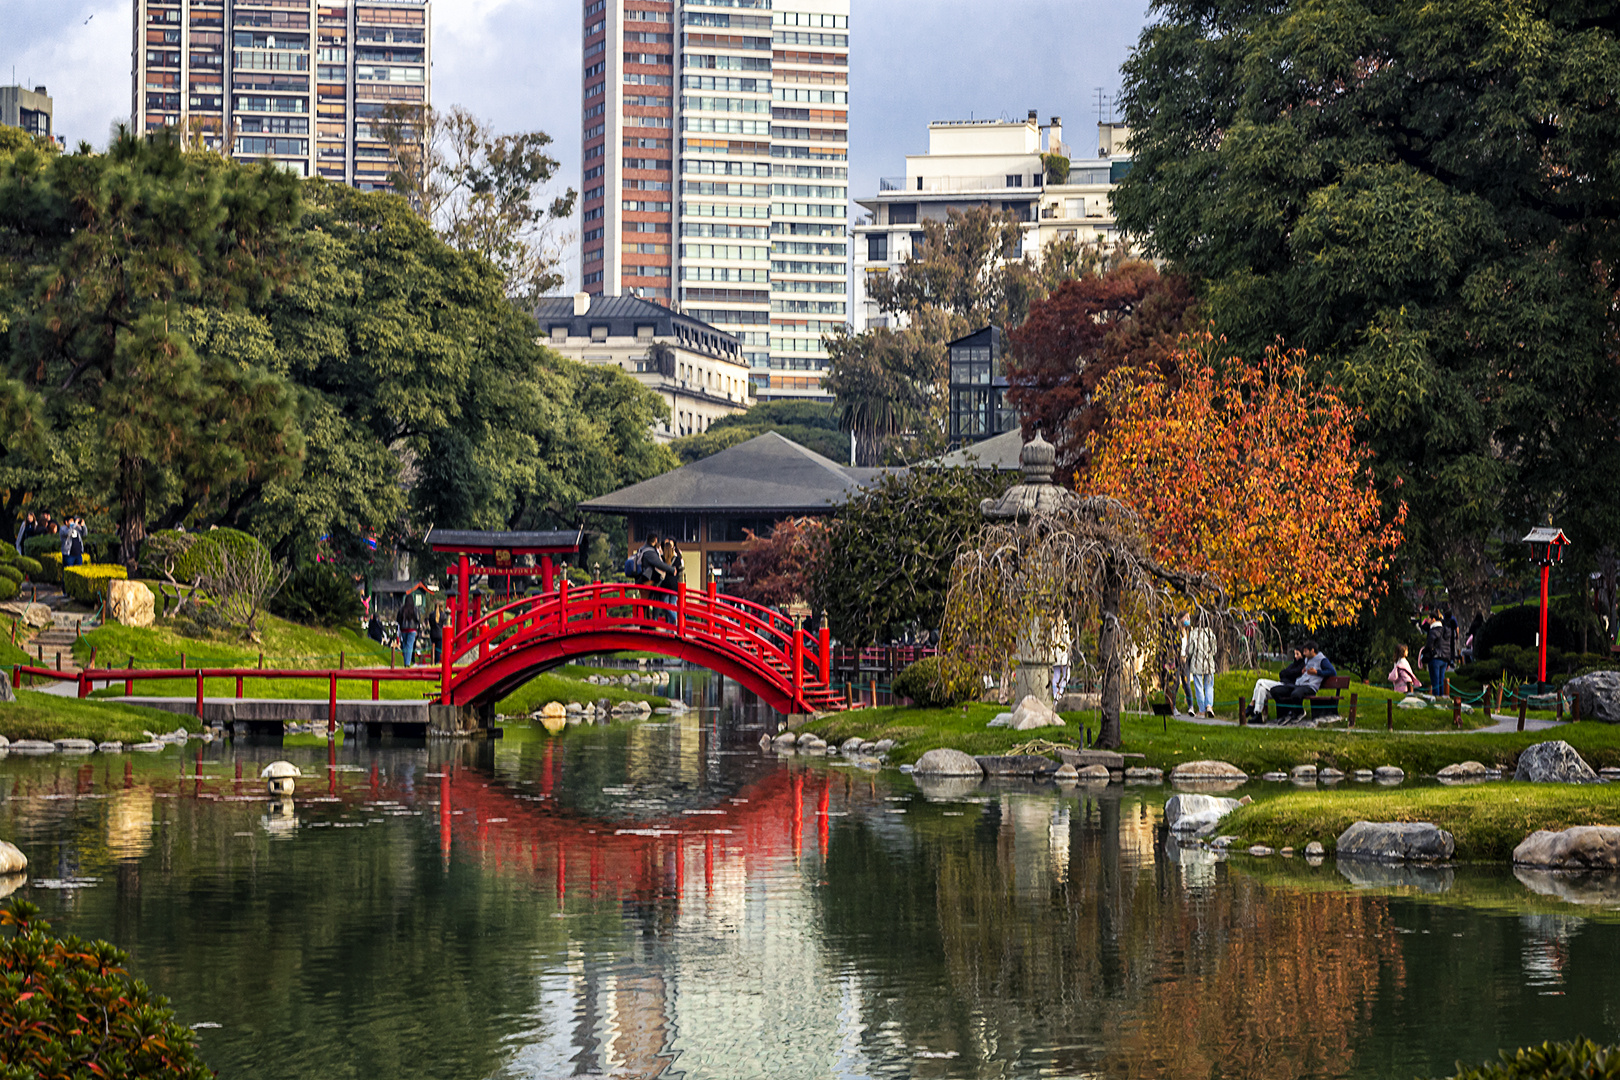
(1101, 102)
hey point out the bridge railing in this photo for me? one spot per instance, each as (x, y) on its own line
(737, 626)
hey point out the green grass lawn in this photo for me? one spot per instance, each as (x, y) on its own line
(45, 716)
(1237, 687)
(285, 644)
(1255, 750)
(1488, 820)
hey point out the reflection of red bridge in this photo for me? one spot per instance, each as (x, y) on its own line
(531, 833)
(788, 667)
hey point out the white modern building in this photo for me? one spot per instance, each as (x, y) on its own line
(996, 163)
(716, 170)
(697, 369)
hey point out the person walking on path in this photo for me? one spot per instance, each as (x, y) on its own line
(1438, 647)
(1200, 656)
(410, 623)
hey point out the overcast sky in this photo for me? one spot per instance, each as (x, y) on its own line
(516, 63)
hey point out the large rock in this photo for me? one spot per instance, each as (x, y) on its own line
(1396, 841)
(7, 695)
(1462, 771)
(1585, 847)
(1033, 713)
(33, 616)
(12, 861)
(1192, 812)
(130, 603)
(1554, 762)
(1598, 694)
(1015, 765)
(1207, 770)
(947, 762)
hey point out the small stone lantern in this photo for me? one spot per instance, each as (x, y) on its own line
(280, 774)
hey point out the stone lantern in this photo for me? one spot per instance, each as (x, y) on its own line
(1032, 667)
(280, 774)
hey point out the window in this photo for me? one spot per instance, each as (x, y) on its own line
(599, 333)
(919, 240)
(903, 214)
(644, 333)
(1015, 181)
(559, 335)
(877, 247)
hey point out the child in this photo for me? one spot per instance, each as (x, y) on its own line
(1401, 676)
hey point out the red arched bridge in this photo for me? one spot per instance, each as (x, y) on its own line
(790, 668)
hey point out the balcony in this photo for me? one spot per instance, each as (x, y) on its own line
(949, 185)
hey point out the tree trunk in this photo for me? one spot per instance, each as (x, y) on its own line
(132, 511)
(1110, 646)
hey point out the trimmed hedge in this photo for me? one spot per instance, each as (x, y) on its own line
(30, 567)
(8, 589)
(42, 544)
(50, 568)
(205, 548)
(88, 583)
(11, 573)
(934, 684)
(318, 595)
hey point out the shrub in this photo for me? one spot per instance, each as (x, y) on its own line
(51, 985)
(935, 682)
(50, 568)
(8, 589)
(318, 595)
(11, 572)
(202, 557)
(1583, 1058)
(30, 567)
(89, 583)
(42, 544)
(1518, 626)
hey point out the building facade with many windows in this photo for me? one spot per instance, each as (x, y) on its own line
(301, 83)
(716, 170)
(28, 109)
(1004, 165)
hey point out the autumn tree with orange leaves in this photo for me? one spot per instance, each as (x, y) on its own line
(1251, 474)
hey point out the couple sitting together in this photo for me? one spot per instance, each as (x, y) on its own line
(1296, 682)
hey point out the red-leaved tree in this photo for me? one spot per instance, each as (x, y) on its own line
(1129, 316)
(1253, 475)
(778, 569)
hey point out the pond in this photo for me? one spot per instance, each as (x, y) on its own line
(663, 899)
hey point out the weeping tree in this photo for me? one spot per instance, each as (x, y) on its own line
(1087, 559)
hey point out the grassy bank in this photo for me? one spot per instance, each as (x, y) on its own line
(44, 716)
(1488, 820)
(1255, 750)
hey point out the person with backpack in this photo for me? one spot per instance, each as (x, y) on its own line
(652, 571)
(410, 624)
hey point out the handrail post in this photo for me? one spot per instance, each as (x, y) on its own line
(331, 706)
(826, 653)
(239, 687)
(680, 609)
(449, 639)
(84, 686)
(199, 694)
(562, 604)
(798, 661)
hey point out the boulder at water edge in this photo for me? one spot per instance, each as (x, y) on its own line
(1191, 812)
(1207, 770)
(1462, 771)
(947, 762)
(12, 861)
(1396, 841)
(1033, 713)
(1585, 847)
(1091, 774)
(1598, 695)
(1554, 762)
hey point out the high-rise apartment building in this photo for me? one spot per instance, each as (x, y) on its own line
(716, 170)
(302, 83)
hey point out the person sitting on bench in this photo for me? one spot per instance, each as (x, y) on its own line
(1263, 687)
(1317, 668)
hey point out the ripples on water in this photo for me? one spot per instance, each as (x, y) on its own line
(663, 900)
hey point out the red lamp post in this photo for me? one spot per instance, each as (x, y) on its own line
(1547, 548)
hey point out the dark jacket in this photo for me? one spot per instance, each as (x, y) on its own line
(409, 620)
(1290, 674)
(653, 566)
(1438, 643)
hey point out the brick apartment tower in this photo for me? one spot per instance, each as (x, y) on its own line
(716, 170)
(297, 82)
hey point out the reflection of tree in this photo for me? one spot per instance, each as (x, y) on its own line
(1242, 981)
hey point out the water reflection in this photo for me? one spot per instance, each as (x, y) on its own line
(663, 900)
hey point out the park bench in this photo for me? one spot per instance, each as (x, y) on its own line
(1320, 705)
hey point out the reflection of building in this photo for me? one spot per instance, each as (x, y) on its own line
(27, 109)
(698, 371)
(989, 163)
(710, 506)
(716, 170)
(301, 83)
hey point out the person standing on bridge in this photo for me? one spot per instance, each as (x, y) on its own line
(410, 624)
(655, 571)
